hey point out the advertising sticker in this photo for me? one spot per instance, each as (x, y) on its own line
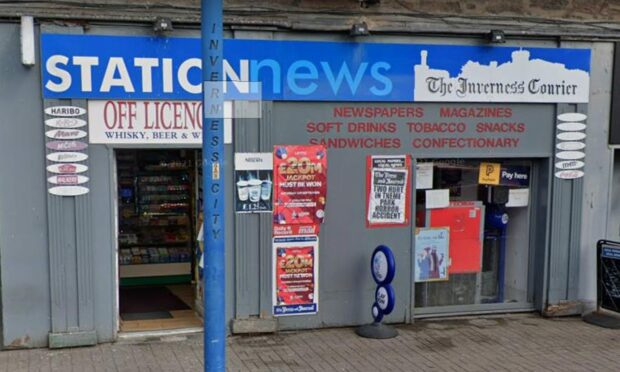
(489, 174)
(432, 254)
(515, 175)
(253, 180)
(387, 191)
(64, 152)
(300, 184)
(296, 283)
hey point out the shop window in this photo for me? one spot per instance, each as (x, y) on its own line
(472, 232)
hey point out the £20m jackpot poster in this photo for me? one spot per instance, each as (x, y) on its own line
(295, 270)
(300, 184)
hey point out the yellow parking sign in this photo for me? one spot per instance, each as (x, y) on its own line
(489, 173)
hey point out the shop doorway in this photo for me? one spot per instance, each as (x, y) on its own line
(158, 253)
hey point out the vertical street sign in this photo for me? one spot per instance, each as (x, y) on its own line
(213, 187)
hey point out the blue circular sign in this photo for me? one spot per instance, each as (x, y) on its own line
(377, 314)
(385, 298)
(497, 219)
(383, 265)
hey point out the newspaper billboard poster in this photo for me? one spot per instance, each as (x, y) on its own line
(388, 190)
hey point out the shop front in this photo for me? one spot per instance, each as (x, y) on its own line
(481, 173)
(466, 161)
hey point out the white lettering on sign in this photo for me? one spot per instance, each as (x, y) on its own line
(116, 74)
(513, 175)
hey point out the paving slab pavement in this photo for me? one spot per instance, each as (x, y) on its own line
(520, 342)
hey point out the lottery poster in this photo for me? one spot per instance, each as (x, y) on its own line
(295, 269)
(387, 191)
(300, 184)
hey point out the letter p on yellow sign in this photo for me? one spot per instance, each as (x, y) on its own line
(489, 173)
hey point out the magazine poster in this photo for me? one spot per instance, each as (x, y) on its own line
(432, 257)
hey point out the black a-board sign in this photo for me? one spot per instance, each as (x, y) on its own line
(608, 286)
(608, 272)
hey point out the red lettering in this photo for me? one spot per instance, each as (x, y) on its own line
(162, 115)
(426, 127)
(357, 143)
(323, 127)
(146, 115)
(132, 114)
(377, 111)
(177, 106)
(106, 118)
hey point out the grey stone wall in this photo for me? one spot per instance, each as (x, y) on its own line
(579, 18)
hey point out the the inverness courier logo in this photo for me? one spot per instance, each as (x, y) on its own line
(520, 79)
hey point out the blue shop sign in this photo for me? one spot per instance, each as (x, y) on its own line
(141, 67)
(514, 175)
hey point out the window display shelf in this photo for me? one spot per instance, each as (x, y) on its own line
(142, 226)
(162, 214)
(150, 270)
(151, 244)
(162, 188)
(158, 171)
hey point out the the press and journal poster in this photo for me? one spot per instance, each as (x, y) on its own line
(296, 275)
(388, 190)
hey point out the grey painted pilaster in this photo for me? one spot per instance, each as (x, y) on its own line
(71, 253)
(24, 260)
(103, 228)
(598, 181)
(266, 220)
(247, 229)
(540, 217)
(565, 239)
(71, 262)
